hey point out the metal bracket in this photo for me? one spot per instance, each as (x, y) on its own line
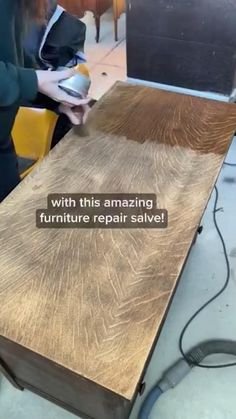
(8, 375)
(199, 231)
(142, 388)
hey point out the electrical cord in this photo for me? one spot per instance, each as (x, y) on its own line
(223, 288)
(183, 366)
(197, 354)
(230, 164)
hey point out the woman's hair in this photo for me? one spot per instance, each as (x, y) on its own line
(35, 9)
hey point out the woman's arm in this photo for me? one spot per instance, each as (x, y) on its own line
(41, 101)
(17, 84)
(30, 61)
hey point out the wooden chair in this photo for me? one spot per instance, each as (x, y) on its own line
(97, 7)
(119, 7)
(32, 136)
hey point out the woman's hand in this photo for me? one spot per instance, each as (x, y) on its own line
(48, 85)
(76, 114)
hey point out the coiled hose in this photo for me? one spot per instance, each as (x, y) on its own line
(182, 367)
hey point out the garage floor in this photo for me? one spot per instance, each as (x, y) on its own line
(205, 394)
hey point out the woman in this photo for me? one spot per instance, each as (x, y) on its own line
(19, 85)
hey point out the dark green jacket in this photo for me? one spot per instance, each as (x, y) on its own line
(17, 84)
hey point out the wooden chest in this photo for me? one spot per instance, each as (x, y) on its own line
(81, 310)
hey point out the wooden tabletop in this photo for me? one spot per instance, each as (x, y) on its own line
(93, 300)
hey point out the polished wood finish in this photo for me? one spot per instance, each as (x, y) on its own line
(81, 309)
(73, 7)
(79, 7)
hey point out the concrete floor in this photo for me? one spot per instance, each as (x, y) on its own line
(205, 394)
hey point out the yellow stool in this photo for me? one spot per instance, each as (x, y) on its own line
(83, 69)
(32, 135)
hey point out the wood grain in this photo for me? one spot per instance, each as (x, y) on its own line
(119, 7)
(73, 7)
(92, 301)
(79, 7)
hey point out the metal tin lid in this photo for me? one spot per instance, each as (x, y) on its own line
(77, 85)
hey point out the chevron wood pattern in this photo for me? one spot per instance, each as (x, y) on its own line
(85, 306)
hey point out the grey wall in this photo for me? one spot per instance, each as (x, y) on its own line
(187, 43)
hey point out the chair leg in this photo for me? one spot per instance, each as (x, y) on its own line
(115, 17)
(116, 28)
(98, 24)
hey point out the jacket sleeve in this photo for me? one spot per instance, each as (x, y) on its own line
(42, 102)
(16, 84)
(30, 61)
